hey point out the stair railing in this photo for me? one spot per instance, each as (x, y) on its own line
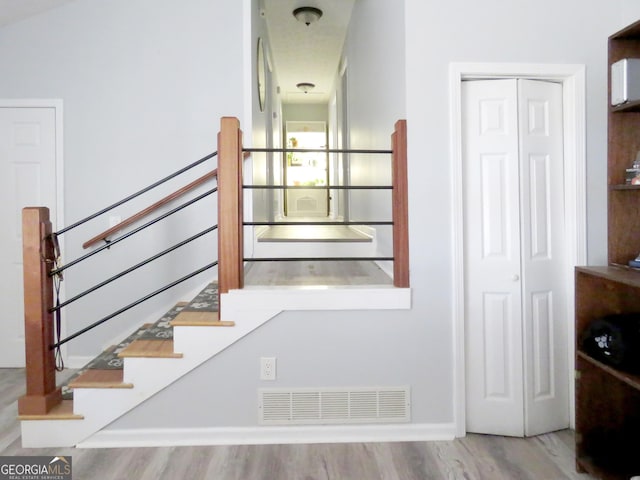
(41, 253)
(230, 205)
(42, 275)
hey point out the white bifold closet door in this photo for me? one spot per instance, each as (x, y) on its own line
(515, 294)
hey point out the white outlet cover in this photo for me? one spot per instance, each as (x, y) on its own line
(267, 368)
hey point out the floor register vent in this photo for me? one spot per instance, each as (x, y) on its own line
(308, 406)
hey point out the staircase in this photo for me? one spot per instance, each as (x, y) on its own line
(127, 374)
(162, 352)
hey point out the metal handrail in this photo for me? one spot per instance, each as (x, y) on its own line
(337, 222)
(131, 305)
(137, 194)
(131, 269)
(147, 211)
(316, 187)
(132, 232)
(312, 259)
(314, 150)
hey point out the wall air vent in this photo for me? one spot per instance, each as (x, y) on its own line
(309, 406)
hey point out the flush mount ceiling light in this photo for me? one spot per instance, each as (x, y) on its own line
(306, 86)
(307, 15)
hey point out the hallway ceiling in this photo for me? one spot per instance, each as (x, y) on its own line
(301, 53)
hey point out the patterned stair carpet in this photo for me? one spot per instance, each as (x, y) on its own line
(205, 301)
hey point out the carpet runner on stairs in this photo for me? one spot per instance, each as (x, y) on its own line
(106, 369)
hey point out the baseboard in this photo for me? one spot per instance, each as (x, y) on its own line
(270, 435)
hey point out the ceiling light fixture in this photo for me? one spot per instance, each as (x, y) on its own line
(306, 86)
(307, 15)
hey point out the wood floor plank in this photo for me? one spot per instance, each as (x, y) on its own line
(150, 349)
(199, 319)
(332, 273)
(100, 379)
(474, 457)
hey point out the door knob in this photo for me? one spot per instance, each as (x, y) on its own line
(515, 278)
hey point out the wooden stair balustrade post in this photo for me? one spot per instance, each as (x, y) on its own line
(230, 216)
(38, 255)
(400, 206)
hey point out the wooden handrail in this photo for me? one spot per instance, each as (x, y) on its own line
(400, 200)
(38, 254)
(151, 208)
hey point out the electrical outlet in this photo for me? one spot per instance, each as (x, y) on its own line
(268, 368)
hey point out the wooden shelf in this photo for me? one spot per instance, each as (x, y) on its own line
(627, 107)
(607, 399)
(616, 273)
(624, 187)
(630, 379)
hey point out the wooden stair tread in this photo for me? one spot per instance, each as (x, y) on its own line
(150, 349)
(199, 319)
(62, 411)
(100, 379)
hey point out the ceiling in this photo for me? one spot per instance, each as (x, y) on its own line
(299, 53)
(302, 53)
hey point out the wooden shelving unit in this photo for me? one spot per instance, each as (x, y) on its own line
(608, 400)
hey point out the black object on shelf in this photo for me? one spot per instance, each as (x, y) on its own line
(615, 341)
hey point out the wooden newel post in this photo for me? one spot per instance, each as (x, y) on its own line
(42, 394)
(230, 238)
(400, 201)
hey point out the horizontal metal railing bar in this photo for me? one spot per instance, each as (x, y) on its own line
(314, 150)
(137, 194)
(313, 259)
(316, 187)
(132, 232)
(131, 305)
(152, 208)
(293, 224)
(131, 269)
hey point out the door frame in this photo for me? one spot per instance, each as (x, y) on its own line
(572, 77)
(57, 105)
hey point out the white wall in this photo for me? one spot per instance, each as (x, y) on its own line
(546, 31)
(313, 349)
(410, 347)
(327, 349)
(305, 112)
(630, 12)
(144, 84)
(257, 135)
(375, 58)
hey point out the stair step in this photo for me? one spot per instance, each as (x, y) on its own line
(100, 379)
(62, 411)
(150, 349)
(199, 319)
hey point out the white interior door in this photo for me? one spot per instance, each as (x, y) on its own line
(514, 297)
(27, 178)
(307, 169)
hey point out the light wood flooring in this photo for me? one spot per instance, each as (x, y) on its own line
(305, 273)
(312, 233)
(475, 457)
